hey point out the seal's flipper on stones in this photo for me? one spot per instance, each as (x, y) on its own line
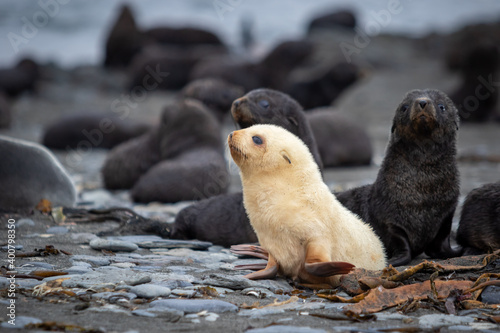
(252, 267)
(440, 247)
(250, 250)
(403, 254)
(268, 273)
(329, 268)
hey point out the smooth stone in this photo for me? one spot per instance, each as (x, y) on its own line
(57, 277)
(216, 248)
(77, 270)
(173, 244)
(150, 291)
(184, 293)
(168, 314)
(230, 281)
(211, 316)
(144, 313)
(491, 295)
(82, 237)
(98, 261)
(16, 247)
(123, 264)
(99, 196)
(114, 294)
(287, 328)
(276, 285)
(296, 306)
(58, 230)
(195, 305)
(390, 316)
(438, 320)
(21, 321)
(99, 279)
(138, 280)
(27, 283)
(112, 245)
(81, 264)
(39, 264)
(136, 238)
(110, 308)
(4, 282)
(24, 223)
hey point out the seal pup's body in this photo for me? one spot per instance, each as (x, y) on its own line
(309, 235)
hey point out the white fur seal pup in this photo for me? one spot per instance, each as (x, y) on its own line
(309, 235)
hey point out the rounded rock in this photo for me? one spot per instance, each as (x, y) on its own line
(112, 245)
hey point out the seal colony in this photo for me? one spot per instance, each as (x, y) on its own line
(412, 202)
(309, 235)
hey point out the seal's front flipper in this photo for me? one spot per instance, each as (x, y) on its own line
(440, 247)
(250, 250)
(329, 268)
(268, 273)
(401, 250)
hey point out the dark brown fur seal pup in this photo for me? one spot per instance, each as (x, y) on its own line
(412, 202)
(20, 78)
(270, 72)
(102, 130)
(124, 40)
(217, 94)
(477, 98)
(479, 228)
(339, 19)
(186, 36)
(340, 140)
(5, 116)
(151, 163)
(308, 234)
(210, 218)
(325, 87)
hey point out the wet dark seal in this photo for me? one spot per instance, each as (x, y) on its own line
(479, 228)
(412, 202)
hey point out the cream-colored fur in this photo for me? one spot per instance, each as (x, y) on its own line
(292, 209)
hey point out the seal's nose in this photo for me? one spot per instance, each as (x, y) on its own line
(231, 135)
(236, 103)
(422, 104)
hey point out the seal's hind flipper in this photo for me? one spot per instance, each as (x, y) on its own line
(250, 250)
(329, 268)
(268, 273)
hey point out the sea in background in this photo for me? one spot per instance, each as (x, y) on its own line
(73, 32)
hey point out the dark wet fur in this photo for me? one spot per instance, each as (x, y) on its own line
(479, 228)
(412, 202)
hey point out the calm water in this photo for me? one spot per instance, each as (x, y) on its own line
(73, 32)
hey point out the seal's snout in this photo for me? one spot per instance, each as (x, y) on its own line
(422, 104)
(423, 115)
(238, 103)
(241, 112)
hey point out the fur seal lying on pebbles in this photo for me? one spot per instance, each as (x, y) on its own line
(29, 173)
(20, 78)
(186, 147)
(340, 140)
(479, 228)
(217, 94)
(102, 130)
(309, 235)
(412, 202)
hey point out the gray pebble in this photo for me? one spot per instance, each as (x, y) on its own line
(150, 291)
(195, 305)
(184, 293)
(99, 279)
(28, 283)
(98, 261)
(491, 295)
(4, 282)
(166, 313)
(229, 281)
(39, 264)
(296, 306)
(144, 313)
(174, 244)
(438, 320)
(20, 322)
(136, 238)
(25, 223)
(81, 264)
(138, 280)
(112, 245)
(82, 237)
(77, 270)
(57, 230)
(286, 328)
(7, 247)
(114, 295)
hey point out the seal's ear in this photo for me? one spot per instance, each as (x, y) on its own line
(293, 121)
(284, 154)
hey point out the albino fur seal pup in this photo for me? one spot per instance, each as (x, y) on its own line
(412, 202)
(479, 228)
(29, 173)
(308, 234)
(340, 140)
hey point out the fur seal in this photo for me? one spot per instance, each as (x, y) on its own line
(479, 227)
(308, 234)
(340, 140)
(217, 94)
(271, 71)
(185, 36)
(267, 106)
(102, 130)
(22, 77)
(29, 173)
(5, 114)
(324, 87)
(338, 19)
(476, 101)
(124, 40)
(412, 202)
(211, 218)
(186, 147)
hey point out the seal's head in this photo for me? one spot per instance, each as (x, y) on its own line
(425, 114)
(268, 148)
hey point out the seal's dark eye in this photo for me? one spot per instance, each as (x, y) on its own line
(404, 108)
(264, 104)
(442, 107)
(257, 140)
